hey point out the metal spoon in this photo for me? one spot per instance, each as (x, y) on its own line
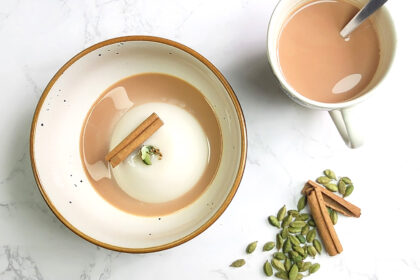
(361, 16)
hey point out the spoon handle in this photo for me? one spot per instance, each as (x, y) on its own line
(361, 16)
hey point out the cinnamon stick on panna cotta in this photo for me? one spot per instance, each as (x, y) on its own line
(134, 140)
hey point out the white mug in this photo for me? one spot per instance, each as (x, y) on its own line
(341, 112)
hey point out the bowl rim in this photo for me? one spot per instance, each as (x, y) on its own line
(233, 98)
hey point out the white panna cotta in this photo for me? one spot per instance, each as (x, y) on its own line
(183, 144)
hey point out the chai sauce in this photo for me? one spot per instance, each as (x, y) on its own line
(171, 183)
(317, 62)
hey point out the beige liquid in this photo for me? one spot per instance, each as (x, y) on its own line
(103, 116)
(317, 62)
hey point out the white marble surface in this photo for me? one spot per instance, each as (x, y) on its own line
(287, 145)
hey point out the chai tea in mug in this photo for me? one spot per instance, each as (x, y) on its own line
(317, 62)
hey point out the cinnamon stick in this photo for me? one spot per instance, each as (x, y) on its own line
(323, 222)
(334, 201)
(134, 139)
(133, 135)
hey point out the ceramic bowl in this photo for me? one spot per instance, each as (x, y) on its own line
(55, 150)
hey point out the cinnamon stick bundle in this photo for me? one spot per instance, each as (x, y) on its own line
(323, 222)
(134, 139)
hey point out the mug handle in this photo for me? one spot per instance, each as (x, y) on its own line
(342, 120)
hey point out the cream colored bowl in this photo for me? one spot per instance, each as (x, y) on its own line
(55, 151)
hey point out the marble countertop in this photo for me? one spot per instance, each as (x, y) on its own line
(288, 144)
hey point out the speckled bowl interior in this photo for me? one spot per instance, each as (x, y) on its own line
(55, 150)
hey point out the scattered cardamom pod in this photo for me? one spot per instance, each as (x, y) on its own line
(286, 221)
(301, 238)
(341, 186)
(299, 276)
(294, 230)
(323, 180)
(251, 247)
(293, 213)
(293, 239)
(268, 270)
(305, 230)
(333, 216)
(331, 187)
(314, 268)
(287, 264)
(330, 174)
(269, 246)
(317, 245)
(278, 265)
(282, 275)
(312, 251)
(346, 180)
(349, 190)
(305, 267)
(273, 221)
(298, 224)
(287, 246)
(279, 256)
(311, 236)
(299, 250)
(279, 241)
(311, 222)
(301, 203)
(284, 233)
(238, 263)
(293, 272)
(295, 257)
(281, 214)
(302, 217)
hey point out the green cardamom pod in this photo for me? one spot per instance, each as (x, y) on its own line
(294, 230)
(299, 276)
(293, 213)
(282, 275)
(330, 174)
(312, 251)
(301, 238)
(334, 216)
(251, 247)
(279, 241)
(278, 265)
(282, 213)
(268, 270)
(299, 250)
(299, 264)
(293, 255)
(279, 256)
(293, 272)
(284, 233)
(311, 223)
(323, 180)
(298, 224)
(317, 245)
(269, 246)
(314, 268)
(346, 180)
(287, 246)
(273, 221)
(341, 186)
(305, 267)
(286, 221)
(301, 203)
(293, 239)
(302, 217)
(238, 263)
(287, 265)
(331, 187)
(305, 230)
(349, 190)
(311, 236)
